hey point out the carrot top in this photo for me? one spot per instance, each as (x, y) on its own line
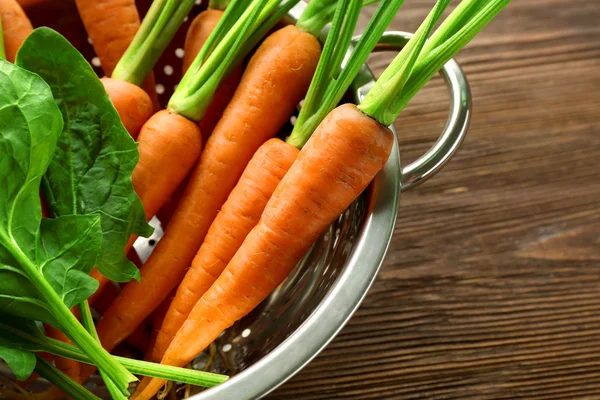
(420, 60)
(231, 39)
(158, 28)
(333, 76)
(218, 4)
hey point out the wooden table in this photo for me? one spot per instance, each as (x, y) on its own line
(491, 288)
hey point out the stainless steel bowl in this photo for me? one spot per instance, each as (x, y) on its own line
(305, 313)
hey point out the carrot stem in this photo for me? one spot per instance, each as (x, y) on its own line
(381, 101)
(464, 11)
(264, 27)
(158, 28)
(218, 4)
(430, 63)
(196, 90)
(316, 15)
(337, 84)
(62, 381)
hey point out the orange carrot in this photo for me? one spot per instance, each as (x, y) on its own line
(166, 212)
(262, 103)
(157, 318)
(15, 27)
(237, 217)
(131, 102)
(336, 165)
(112, 25)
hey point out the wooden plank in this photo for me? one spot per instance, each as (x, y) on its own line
(491, 288)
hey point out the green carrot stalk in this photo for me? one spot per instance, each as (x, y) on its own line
(41, 343)
(62, 381)
(260, 30)
(330, 84)
(225, 46)
(218, 4)
(88, 323)
(431, 62)
(380, 103)
(316, 15)
(156, 31)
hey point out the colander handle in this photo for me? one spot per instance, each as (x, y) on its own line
(456, 128)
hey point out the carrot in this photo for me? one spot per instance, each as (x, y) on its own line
(237, 217)
(166, 212)
(15, 27)
(157, 318)
(190, 100)
(337, 163)
(169, 145)
(131, 102)
(101, 19)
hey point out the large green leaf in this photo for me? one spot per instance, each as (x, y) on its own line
(42, 265)
(91, 170)
(36, 255)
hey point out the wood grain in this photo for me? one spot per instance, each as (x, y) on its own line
(491, 288)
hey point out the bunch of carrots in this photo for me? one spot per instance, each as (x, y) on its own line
(240, 205)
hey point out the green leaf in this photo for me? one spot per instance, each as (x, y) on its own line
(90, 172)
(66, 255)
(30, 124)
(66, 251)
(22, 363)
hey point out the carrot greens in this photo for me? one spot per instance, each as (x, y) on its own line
(156, 31)
(457, 36)
(460, 27)
(332, 78)
(396, 75)
(218, 4)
